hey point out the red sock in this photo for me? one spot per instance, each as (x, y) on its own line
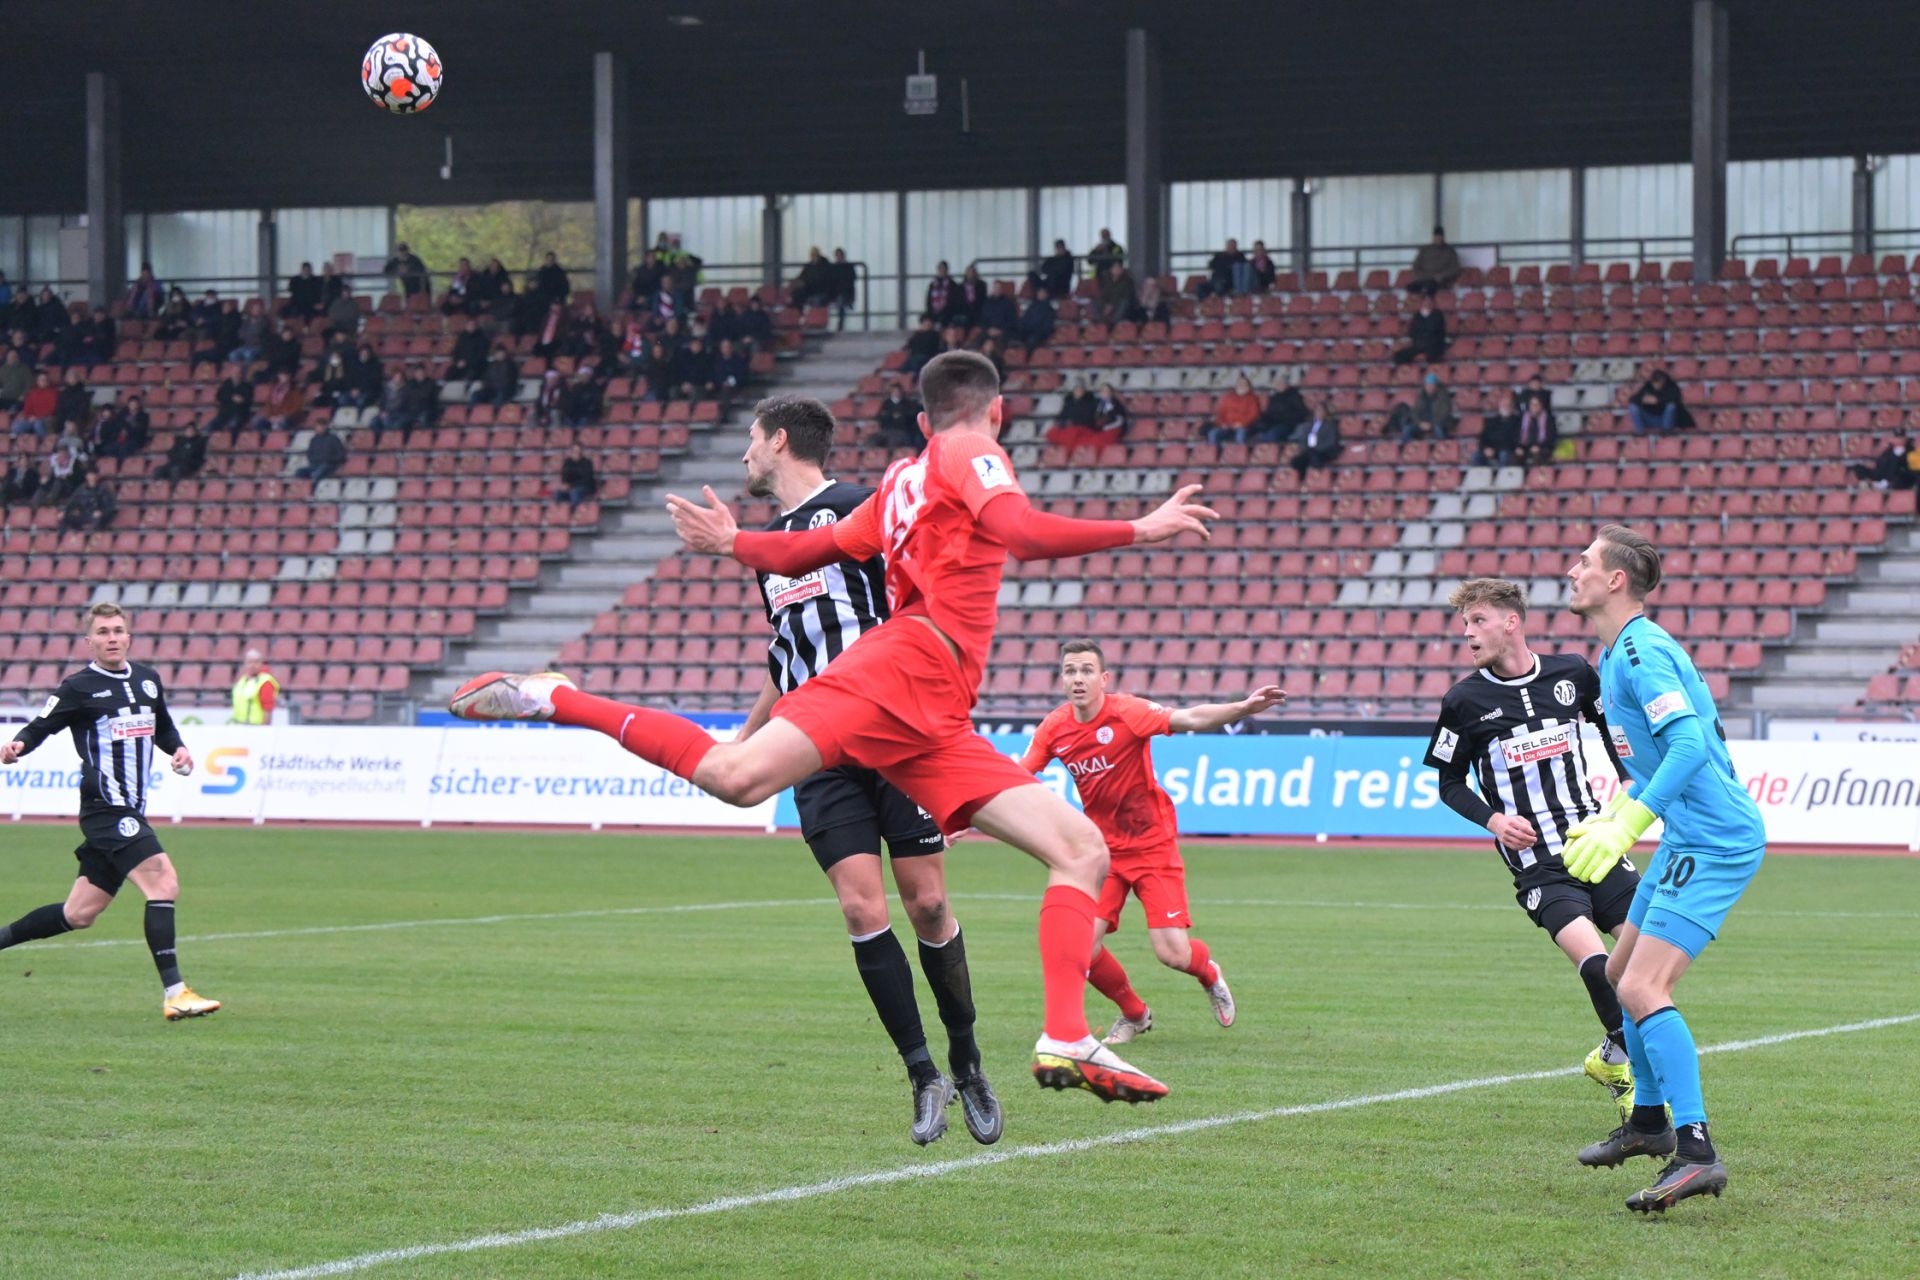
(1066, 944)
(1200, 964)
(676, 744)
(1109, 978)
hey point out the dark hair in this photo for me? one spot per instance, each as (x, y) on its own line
(808, 423)
(1634, 554)
(1072, 647)
(957, 385)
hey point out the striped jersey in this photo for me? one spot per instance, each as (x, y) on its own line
(117, 718)
(817, 615)
(1521, 740)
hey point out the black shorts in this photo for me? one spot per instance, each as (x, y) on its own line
(1555, 902)
(118, 840)
(848, 810)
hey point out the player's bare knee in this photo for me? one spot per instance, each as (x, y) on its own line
(930, 913)
(864, 916)
(1175, 953)
(81, 917)
(1616, 969)
(1640, 996)
(732, 778)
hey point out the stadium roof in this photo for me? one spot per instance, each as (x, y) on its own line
(250, 104)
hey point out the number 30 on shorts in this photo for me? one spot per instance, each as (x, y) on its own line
(1678, 872)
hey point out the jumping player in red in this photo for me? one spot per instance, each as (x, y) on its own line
(1103, 739)
(899, 699)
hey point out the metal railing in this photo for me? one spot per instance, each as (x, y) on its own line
(1834, 243)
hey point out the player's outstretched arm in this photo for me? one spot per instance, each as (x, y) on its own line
(1031, 534)
(713, 530)
(1179, 514)
(709, 529)
(1217, 715)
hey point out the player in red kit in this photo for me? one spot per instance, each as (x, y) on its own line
(899, 699)
(1103, 739)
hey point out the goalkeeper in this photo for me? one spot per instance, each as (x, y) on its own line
(1669, 736)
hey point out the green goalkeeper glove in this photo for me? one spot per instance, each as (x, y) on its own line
(1611, 808)
(1599, 849)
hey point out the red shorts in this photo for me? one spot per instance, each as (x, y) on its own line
(1159, 882)
(895, 702)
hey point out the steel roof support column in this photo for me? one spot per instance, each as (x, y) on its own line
(1146, 157)
(1709, 137)
(612, 152)
(106, 220)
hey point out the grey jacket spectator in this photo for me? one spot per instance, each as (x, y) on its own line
(16, 379)
(406, 267)
(326, 454)
(1436, 266)
(90, 508)
(499, 380)
(1117, 295)
(343, 313)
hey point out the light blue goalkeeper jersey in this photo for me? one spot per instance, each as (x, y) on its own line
(1647, 685)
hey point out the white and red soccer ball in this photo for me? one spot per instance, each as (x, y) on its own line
(401, 73)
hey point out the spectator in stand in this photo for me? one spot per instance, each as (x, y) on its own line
(756, 326)
(499, 380)
(1657, 405)
(1227, 272)
(326, 454)
(1036, 324)
(1426, 335)
(1104, 256)
(580, 402)
(280, 353)
(1074, 424)
(37, 407)
(941, 291)
(406, 267)
(364, 376)
(185, 456)
(725, 323)
(73, 438)
(550, 283)
(1150, 306)
(333, 384)
(1892, 468)
(660, 382)
(490, 284)
(923, 344)
(577, 480)
(92, 341)
(970, 297)
(551, 333)
(75, 401)
(645, 281)
(1285, 412)
(1110, 414)
(6, 291)
(422, 398)
(65, 472)
(176, 318)
(90, 508)
(1236, 415)
(814, 286)
(303, 294)
(282, 408)
(588, 338)
(547, 401)
(252, 334)
(51, 320)
(459, 299)
(1319, 441)
(145, 297)
(693, 371)
(1436, 266)
(1538, 434)
(1431, 414)
(899, 419)
(332, 285)
(1499, 434)
(22, 482)
(996, 355)
(123, 430)
(469, 354)
(15, 379)
(1055, 272)
(343, 313)
(1261, 270)
(390, 413)
(1000, 314)
(1117, 298)
(206, 312)
(632, 355)
(731, 372)
(846, 287)
(1536, 388)
(221, 334)
(664, 307)
(232, 402)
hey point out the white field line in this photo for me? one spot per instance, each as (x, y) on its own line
(607, 1222)
(1301, 904)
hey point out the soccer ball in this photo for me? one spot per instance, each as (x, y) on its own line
(401, 73)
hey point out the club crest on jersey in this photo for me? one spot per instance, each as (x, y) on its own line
(1533, 899)
(149, 688)
(1103, 735)
(1564, 693)
(824, 516)
(992, 474)
(129, 827)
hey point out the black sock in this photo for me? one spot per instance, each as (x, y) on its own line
(946, 970)
(1606, 1005)
(1695, 1147)
(883, 967)
(160, 941)
(1649, 1119)
(41, 922)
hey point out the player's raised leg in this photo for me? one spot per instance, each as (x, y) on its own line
(156, 878)
(1049, 829)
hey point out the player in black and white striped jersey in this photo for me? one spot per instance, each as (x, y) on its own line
(845, 812)
(1515, 723)
(117, 713)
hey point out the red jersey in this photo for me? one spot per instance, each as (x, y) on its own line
(941, 564)
(1111, 763)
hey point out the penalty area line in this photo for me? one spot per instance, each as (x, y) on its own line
(609, 1222)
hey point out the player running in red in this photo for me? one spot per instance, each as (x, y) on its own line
(1104, 741)
(899, 699)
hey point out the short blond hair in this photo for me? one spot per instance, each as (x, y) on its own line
(107, 609)
(1634, 554)
(1497, 592)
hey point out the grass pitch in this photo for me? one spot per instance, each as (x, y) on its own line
(432, 1037)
